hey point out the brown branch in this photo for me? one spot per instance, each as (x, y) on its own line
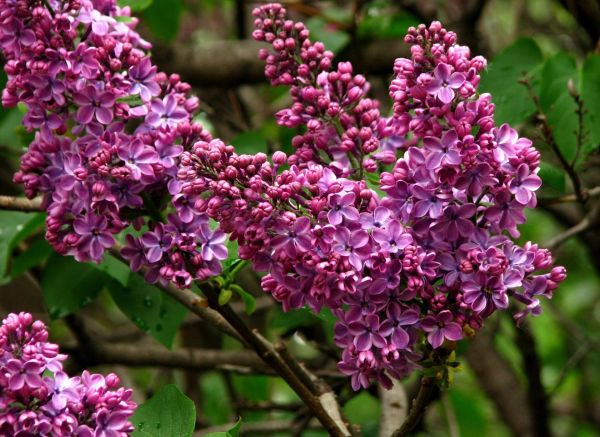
(536, 394)
(590, 221)
(418, 407)
(569, 198)
(502, 386)
(20, 204)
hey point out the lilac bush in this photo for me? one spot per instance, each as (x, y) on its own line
(38, 398)
(402, 226)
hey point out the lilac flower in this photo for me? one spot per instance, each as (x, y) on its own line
(399, 321)
(294, 239)
(142, 78)
(94, 104)
(111, 424)
(455, 222)
(342, 206)
(213, 246)
(442, 151)
(166, 112)
(95, 237)
(134, 252)
(445, 82)
(24, 374)
(156, 242)
(429, 202)
(352, 245)
(375, 220)
(138, 158)
(484, 294)
(506, 212)
(83, 61)
(475, 179)
(366, 333)
(62, 389)
(394, 238)
(440, 327)
(524, 184)
(100, 23)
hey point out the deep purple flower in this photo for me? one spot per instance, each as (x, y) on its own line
(166, 112)
(524, 184)
(428, 201)
(440, 327)
(353, 245)
(475, 179)
(138, 158)
(294, 239)
(156, 243)
(445, 82)
(141, 76)
(366, 333)
(455, 222)
(375, 220)
(442, 151)
(134, 252)
(399, 320)
(213, 243)
(95, 237)
(394, 238)
(94, 104)
(485, 294)
(342, 206)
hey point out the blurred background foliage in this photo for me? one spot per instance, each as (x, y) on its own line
(544, 67)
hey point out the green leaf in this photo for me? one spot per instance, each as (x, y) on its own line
(249, 143)
(590, 93)
(14, 228)
(149, 308)
(558, 104)
(162, 17)
(249, 300)
(135, 5)
(115, 269)
(37, 252)
(512, 100)
(552, 177)
(231, 432)
(69, 286)
(333, 38)
(169, 413)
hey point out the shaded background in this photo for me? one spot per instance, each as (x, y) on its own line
(540, 380)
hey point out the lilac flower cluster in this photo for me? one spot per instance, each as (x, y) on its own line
(109, 131)
(403, 226)
(38, 398)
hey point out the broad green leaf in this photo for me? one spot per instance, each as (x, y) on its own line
(162, 17)
(135, 5)
(558, 104)
(37, 252)
(249, 143)
(115, 269)
(231, 432)
(512, 100)
(14, 227)
(333, 38)
(149, 308)
(590, 93)
(379, 23)
(69, 286)
(10, 126)
(169, 413)
(552, 177)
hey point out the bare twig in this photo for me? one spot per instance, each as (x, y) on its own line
(20, 204)
(590, 221)
(418, 407)
(569, 198)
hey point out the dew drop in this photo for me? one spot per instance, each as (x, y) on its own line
(148, 303)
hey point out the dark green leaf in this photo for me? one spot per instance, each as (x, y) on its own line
(512, 100)
(162, 17)
(249, 143)
(14, 227)
(135, 5)
(37, 252)
(590, 93)
(231, 432)
(169, 413)
(558, 104)
(114, 268)
(69, 286)
(552, 177)
(149, 308)
(333, 38)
